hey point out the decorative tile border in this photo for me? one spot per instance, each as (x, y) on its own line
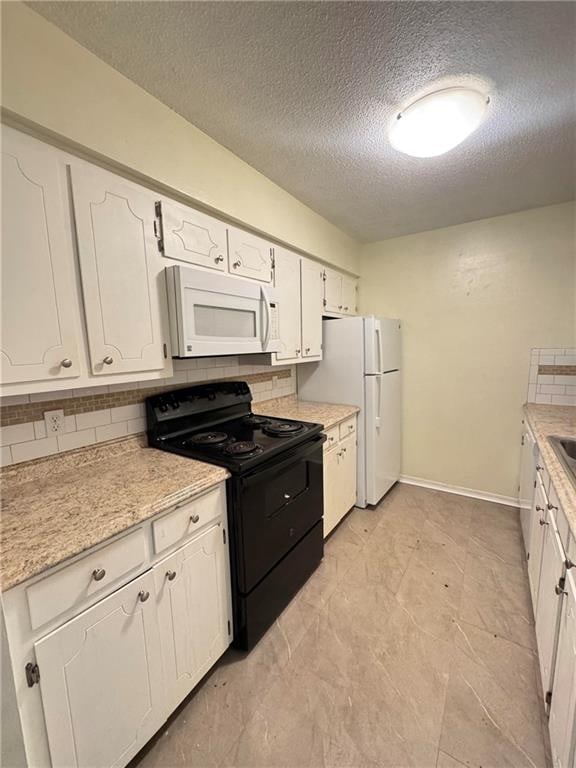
(20, 414)
(552, 379)
(110, 412)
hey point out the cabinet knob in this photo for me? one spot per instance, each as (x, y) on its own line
(539, 508)
(298, 351)
(559, 591)
(66, 363)
(539, 468)
(343, 450)
(346, 309)
(307, 349)
(143, 595)
(339, 306)
(219, 259)
(569, 564)
(108, 360)
(98, 574)
(543, 522)
(552, 507)
(236, 264)
(350, 427)
(194, 518)
(170, 575)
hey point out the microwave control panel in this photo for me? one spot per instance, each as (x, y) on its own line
(274, 322)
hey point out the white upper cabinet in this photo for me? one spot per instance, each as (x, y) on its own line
(311, 296)
(249, 256)
(122, 281)
(340, 293)
(39, 307)
(191, 236)
(287, 280)
(101, 680)
(349, 295)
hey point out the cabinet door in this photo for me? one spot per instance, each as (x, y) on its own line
(527, 478)
(549, 601)
(193, 594)
(348, 451)
(332, 498)
(332, 291)
(38, 316)
(101, 680)
(311, 284)
(122, 276)
(562, 722)
(537, 525)
(192, 236)
(249, 255)
(287, 280)
(349, 297)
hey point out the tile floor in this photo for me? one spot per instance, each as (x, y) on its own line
(412, 645)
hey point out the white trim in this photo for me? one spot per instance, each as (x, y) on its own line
(509, 501)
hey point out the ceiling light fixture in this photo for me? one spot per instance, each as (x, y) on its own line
(438, 122)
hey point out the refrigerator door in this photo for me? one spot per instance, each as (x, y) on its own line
(381, 345)
(383, 434)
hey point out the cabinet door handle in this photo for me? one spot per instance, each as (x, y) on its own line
(339, 306)
(236, 264)
(170, 575)
(307, 350)
(346, 309)
(539, 508)
(552, 507)
(108, 360)
(219, 259)
(539, 468)
(543, 522)
(194, 518)
(559, 591)
(98, 574)
(66, 363)
(143, 595)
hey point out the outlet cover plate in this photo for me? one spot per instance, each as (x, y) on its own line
(54, 421)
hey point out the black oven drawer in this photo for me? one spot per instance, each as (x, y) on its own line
(275, 508)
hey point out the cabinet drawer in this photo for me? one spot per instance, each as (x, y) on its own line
(332, 438)
(76, 583)
(188, 518)
(348, 427)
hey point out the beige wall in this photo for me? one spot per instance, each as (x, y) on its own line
(49, 79)
(473, 299)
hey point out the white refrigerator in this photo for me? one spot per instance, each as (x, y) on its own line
(361, 366)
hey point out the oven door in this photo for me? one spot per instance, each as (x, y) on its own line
(213, 314)
(274, 509)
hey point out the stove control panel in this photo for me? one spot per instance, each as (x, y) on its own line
(274, 322)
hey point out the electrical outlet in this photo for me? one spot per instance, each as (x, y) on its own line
(54, 421)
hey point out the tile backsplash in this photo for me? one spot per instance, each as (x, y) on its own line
(552, 378)
(107, 412)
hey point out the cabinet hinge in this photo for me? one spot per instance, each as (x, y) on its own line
(32, 674)
(229, 628)
(224, 534)
(548, 697)
(165, 349)
(522, 443)
(324, 302)
(158, 227)
(273, 261)
(324, 276)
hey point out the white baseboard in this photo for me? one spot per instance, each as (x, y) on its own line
(509, 501)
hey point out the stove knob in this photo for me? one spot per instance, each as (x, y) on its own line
(163, 407)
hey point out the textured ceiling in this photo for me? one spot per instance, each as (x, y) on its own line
(304, 92)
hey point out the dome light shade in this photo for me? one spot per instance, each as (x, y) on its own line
(438, 122)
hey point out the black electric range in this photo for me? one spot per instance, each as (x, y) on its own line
(275, 493)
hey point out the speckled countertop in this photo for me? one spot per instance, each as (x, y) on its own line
(57, 507)
(290, 407)
(558, 420)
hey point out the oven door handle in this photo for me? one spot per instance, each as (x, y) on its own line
(266, 334)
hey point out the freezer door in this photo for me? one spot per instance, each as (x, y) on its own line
(383, 434)
(381, 345)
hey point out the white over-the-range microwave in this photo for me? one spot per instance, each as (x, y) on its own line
(214, 314)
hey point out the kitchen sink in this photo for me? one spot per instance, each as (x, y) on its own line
(565, 449)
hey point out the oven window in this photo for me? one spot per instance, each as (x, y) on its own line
(222, 321)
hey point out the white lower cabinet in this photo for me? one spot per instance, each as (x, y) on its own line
(340, 484)
(101, 680)
(193, 611)
(537, 525)
(527, 479)
(125, 636)
(550, 595)
(563, 704)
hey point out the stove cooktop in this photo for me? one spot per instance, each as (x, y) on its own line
(214, 423)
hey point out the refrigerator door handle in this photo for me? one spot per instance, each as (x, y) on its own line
(377, 420)
(378, 329)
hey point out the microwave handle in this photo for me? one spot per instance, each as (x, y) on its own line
(266, 334)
